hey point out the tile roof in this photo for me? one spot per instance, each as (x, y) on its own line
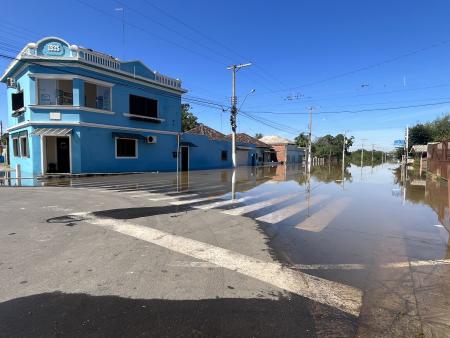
(245, 138)
(211, 133)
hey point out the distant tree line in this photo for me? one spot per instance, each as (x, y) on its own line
(326, 146)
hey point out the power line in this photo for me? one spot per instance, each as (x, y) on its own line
(355, 111)
(193, 100)
(364, 68)
(222, 45)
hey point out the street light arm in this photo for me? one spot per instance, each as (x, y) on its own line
(245, 98)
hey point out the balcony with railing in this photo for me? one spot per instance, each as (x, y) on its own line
(99, 59)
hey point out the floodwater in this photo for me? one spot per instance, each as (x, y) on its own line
(378, 229)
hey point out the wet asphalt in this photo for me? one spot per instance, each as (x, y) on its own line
(371, 228)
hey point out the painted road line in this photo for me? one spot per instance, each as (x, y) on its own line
(256, 206)
(165, 198)
(321, 219)
(343, 297)
(392, 265)
(197, 200)
(230, 201)
(281, 214)
(438, 225)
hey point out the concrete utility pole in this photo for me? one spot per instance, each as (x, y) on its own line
(310, 138)
(343, 151)
(234, 69)
(406, 145)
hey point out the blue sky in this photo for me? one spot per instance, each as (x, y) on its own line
(312, 51)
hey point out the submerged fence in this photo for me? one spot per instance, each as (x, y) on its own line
(438, 159)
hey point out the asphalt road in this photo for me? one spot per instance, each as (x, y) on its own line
(135, 256)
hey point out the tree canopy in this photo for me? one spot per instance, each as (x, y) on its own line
(434, 131)
(258, 136)
(188, 119)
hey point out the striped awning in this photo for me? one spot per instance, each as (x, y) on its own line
(52, 131)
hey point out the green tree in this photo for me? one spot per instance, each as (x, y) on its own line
(188, 119)
(440, 128)
(302, 140)
(420, 134)
(258, 135)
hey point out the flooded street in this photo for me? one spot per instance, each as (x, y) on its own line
(375, 239)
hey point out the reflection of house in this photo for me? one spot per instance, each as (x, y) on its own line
(250, 151)
(286, 151)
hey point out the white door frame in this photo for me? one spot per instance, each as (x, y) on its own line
(44, 163)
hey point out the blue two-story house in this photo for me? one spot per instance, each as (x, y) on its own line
(73, 110)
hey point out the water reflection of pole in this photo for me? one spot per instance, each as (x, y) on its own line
(233, 185)
(178, 160)
(308, 195)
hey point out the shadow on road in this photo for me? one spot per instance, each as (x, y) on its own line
(53, 314)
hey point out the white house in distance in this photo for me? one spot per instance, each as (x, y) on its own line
(286, 150)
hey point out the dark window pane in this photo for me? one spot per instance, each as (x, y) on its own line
(126, 147)
(24, 146)
(17, 100)
(16, 147)
(143, 106)
(224, 155)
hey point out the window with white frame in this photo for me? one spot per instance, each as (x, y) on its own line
(96, 96)
(126, 148)
(24, 146)
(55, 92)
(20, 145)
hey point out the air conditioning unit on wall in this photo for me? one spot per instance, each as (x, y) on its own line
(151, 139)
(11, 82)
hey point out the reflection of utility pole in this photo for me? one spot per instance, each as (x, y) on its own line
(310, 138)
(234, 68)
(373, 146)
(362, 151)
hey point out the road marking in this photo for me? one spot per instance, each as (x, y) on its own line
(252, 207)
(171, 197)
(392, 265)
(230, 201)
(438, 225)
(197, 264)
(282, 214)
(320, 220)
(196, 200)
(343, 297)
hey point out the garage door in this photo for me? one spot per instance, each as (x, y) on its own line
(242, 157)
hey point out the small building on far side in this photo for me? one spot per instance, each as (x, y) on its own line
(204, 148)
(286, 151)
(250, 151)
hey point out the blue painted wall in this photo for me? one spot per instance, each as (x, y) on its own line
(92, 144)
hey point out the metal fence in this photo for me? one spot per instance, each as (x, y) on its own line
(438, 159)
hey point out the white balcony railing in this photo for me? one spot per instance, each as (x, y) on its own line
(103, 60)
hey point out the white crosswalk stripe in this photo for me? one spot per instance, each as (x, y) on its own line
(228, 202)
(320, 220)
(284, 213)
(165, 198)
(252, 207)
(202, 199)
